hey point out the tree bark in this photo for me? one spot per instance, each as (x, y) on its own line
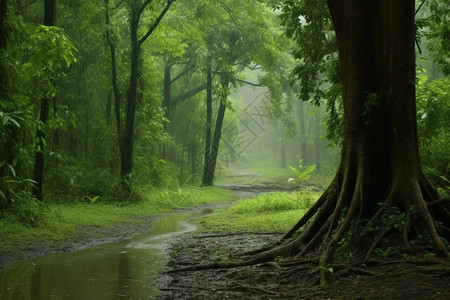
(108, 108)
(379, 196)
(49, 8)
(317, 147)
(128, 136)
(215, 144)
(380, 158)
(167, 105)
(302, 127)
(115, 85)
(282, 150)
(207, 177)
(3, 11)
(127, 143)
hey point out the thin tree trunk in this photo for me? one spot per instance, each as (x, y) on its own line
(167, 106)
(114, 82)
(208, 128)
(215, 144)
(302, 127)
(6, 155)
(49, 8)
(126, 156)
(3, 12)
(56, 133)
(282, 151)
(317, 147)
(127, 143)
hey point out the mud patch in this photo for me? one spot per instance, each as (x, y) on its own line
(290, 279)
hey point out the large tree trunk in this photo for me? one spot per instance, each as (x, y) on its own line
(379, 160)
(379, 196)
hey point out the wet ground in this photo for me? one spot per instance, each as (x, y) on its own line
(426, 279)
(123, 269)
(290, 279)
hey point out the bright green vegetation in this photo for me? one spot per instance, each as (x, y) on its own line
(66, 72)
(61, 221)
(272, 212)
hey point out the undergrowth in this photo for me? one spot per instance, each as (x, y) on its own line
(272, 212)
(60, 221)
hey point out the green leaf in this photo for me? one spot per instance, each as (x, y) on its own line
(93, 199)
(11, 168)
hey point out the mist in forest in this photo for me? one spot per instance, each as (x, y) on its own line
(256, 143)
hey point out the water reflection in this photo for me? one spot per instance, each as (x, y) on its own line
(120, 270)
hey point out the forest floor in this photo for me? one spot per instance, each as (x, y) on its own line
(402, 279)
(283, 279)
(85, 237)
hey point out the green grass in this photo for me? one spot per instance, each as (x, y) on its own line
(60, 221)
(273, 212)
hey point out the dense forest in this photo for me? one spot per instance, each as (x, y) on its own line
(112, 108)
(99, 98)
(95, 95)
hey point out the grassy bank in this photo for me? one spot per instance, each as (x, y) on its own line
(59, 222)
(272, 212)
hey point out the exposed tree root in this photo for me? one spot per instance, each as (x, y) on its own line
(339, 215)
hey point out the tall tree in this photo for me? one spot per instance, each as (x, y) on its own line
(115, 85)
(379, 196)
(126, 135)
(6, 156)
(49, 16)
(3, 7)
(208, 177)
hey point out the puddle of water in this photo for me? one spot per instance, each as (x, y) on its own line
(119, 270)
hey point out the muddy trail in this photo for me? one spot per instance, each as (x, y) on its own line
(289, 279)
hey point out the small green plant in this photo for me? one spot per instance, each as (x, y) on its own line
(302, 173)
(279, 259)
(389, 252)
(393, 217)
(93, 199)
